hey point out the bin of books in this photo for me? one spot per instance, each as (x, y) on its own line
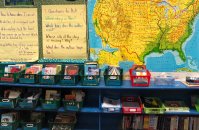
(70, 75)
(12, 73)
(31, 126)
(131, 105)
(8, 102)
(91, 74)
(74, 101)
(50, 74)
(153, 105)
(31, 75)
(34, 122)
(63, 121)
(8, 125)
(111, 105)
(10, 98)
(9, 121)
(140, 76)
(50, 104)
(52, 100)
(30, 99)
(113, 76)
(27, 103)
(175, 106)
(197, 107)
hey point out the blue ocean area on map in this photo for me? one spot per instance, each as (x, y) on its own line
(168, 61)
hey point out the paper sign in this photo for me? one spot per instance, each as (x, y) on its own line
(64, 31)
(18, 35)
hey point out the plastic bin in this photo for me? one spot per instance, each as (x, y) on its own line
(31, 125)
(29, 78)
(8, 126)
(169, 80)
(8, 102)
(111, 109)
(48, 79)
(90, 80)
(27, 103)
(197, 107)
(50, 104)
(154, 110)
(114, 104)
(139, 81)
(11, 77)
(197, 104)
(176, 106)
(132, 105)
(113, 80)
(72, 105)
(69, 80)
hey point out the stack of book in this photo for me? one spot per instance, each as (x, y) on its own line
(64, 121)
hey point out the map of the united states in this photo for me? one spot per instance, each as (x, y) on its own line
(137, 28)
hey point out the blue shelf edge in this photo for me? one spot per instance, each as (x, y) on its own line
(98, 110)
(126, 85)
(49, 129)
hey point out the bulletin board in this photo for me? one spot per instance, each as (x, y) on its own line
(49, 38)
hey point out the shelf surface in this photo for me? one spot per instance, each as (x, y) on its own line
(126, 85)
(98, 110)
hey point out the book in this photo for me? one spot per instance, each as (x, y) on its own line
(52, 95)
(153, 122)
(186, 123)
(112, 70)
(91, 69)
(151, 102)
(174, 123)
(146, 122)
(70, 70)
(9, 117)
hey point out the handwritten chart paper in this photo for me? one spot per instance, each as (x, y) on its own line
(18, 35)
(64, 31)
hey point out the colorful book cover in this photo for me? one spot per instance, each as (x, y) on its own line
(71, 70)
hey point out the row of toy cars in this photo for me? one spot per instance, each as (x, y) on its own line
(65, 74)
(32, 98)
(148, 105)
(37, 121)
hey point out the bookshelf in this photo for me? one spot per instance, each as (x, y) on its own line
(91, 116)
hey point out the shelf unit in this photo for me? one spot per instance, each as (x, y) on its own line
(91, 116)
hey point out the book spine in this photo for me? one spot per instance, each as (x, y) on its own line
(186, 123)
(146, 122)
(191, 123)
